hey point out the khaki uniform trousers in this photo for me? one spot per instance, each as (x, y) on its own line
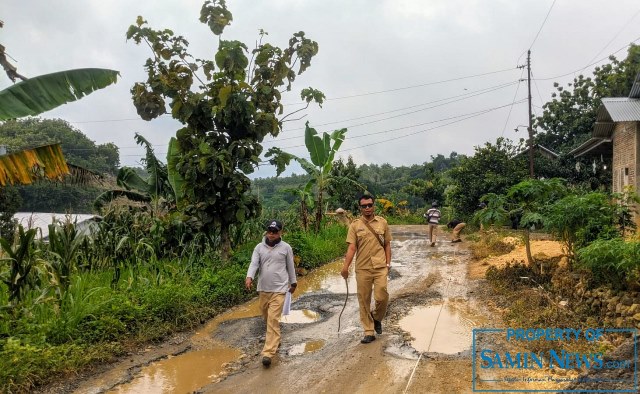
(456, 231)
(433, 232)
(366, 279)
(271, 306)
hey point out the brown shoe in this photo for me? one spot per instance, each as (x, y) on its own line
(368, 339)
(266, 361)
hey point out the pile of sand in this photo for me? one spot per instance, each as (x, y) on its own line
(548, 249)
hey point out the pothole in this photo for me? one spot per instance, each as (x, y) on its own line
(306, 347)
(300, 316)
(183, 373)
(440, 328)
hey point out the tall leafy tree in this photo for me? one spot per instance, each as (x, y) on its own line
(429, 187)
(492, 169)
(567, 120)
(227, 105)
(342, 192)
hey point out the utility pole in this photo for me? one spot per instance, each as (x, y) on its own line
(530, 128)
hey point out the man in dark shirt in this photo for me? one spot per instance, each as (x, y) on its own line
(457, 226)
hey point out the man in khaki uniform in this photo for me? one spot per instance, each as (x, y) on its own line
(373, 261)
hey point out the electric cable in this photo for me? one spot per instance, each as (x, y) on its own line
(511, 108)
(457, 98)
(432, 335)
(543, 22)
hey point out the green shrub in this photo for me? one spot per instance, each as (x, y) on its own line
(314, 250)
(223, 287)
(613, 261)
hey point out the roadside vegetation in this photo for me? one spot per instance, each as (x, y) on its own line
(174, 238)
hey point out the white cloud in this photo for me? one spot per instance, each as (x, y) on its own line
(365, 46)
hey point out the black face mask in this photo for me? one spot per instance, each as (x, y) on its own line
(272, 243)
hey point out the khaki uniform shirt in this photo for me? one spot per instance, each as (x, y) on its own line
(370, 254)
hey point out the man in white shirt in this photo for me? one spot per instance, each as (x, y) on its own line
(273, 258)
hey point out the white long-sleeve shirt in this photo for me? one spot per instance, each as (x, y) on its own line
(275, 265)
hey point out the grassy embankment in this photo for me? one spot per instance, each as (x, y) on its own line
(96, 322)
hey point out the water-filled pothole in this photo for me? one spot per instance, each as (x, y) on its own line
(183, 373)
(306, 347)
(452, 333)
(300, 316)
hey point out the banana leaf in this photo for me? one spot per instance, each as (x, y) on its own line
(46, 92)
(24, 167)
(175, 179)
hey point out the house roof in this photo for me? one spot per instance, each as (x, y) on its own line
(594, 146)
(619, 109)
(611, 111)
(545, 151)
(635, 89)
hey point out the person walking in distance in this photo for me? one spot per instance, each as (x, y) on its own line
(273, 259)
(457, 226)
(369, 241)
(433, 218)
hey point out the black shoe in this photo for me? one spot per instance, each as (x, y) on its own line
(433, 244)
(377, 325)
(368, 339)
(457, 240)
(266, 361)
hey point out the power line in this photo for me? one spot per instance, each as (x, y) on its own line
(337, 98)
(543, 22)
(464, 116)
(459, 98)
(420, 85)
(512, 103)
(611, 40)
(538, 89)
(453, 99)
(591, 64)
(433, 128)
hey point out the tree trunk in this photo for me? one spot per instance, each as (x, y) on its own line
(527, 246)
(225, 241)
(318, 211)
(304, 214)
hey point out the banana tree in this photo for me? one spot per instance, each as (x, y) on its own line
(25, 166)
(321, 153)
(37, 95)
(163, 181)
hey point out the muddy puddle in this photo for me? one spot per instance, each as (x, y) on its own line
(438, 315)
(306, 347)
(184, 373)
(441, 328)
(191, 370)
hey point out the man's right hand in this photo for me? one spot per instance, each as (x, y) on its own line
(247, 283)
(345, 272)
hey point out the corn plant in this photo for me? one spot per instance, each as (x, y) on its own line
(21, 259)
(64, 248)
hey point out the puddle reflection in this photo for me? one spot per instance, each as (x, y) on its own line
(326, 278)
(452, 334)
(180, 374)
(306, 347)
(300, 316)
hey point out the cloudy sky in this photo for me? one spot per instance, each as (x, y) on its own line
(409, 79)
